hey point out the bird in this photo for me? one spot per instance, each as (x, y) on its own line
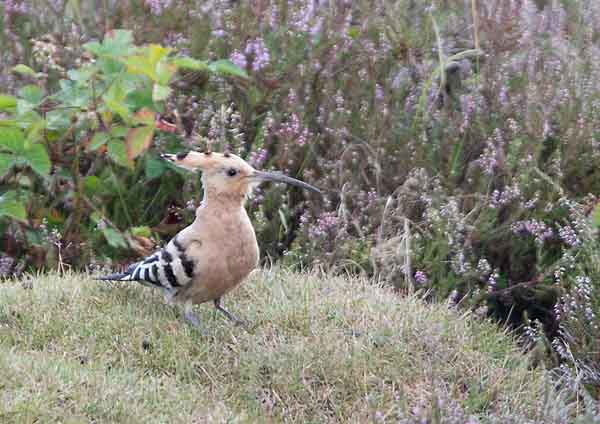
(218, 250)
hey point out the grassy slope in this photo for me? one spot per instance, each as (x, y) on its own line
(318, 349)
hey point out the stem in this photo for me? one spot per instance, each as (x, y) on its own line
(78, 185)
(121, 199)
(475, 23)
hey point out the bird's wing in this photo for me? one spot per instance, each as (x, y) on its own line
(168, 267)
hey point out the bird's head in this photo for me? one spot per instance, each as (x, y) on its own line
(228, 175)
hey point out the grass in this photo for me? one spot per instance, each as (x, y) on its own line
(318, 350)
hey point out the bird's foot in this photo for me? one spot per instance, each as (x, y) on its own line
(191, 317)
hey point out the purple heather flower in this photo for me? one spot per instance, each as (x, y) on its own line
(14, 7)
(379, 96)
(536, 228)
(258, 158)
(238, 59)
(261, 54)
(326, 223)
(488, 161)
(158, 6)
(569, 236)
(293, 130)
(6, 265)
(421, 277)
(493, 280)
(483, 268)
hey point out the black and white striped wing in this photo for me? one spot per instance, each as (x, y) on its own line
(168, 268)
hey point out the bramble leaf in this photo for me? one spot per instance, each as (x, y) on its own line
(11, 139)
(154, 168)
(160, 92)
(138, 140)
(23, 70)
(190, 63)
(116, 43)
(117, 152)
(114, 238)
(98, 140)
(11, 207)
(6, 161)
(227, 67)
(37, 157)
(7, 102)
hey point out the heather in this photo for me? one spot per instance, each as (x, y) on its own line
(457, 144)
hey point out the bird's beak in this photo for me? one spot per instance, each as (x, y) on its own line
(281, 178)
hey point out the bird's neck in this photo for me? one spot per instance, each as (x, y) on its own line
(224, 201)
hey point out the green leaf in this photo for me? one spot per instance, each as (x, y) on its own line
(110, 67)
(11, 139)
(23, 70)
(138, 140)
(37, 157)
(226, 67)
(34, 132)
(82, 75)
(99, 139)
(30, 97)
(117, 152)
(596, 216)
(150, 62)
(7, 102)
(118, 131)
(31, 94)
(114, 238)
(6, 161)
(190, 63)
(116, 43)
(91, 184)
(58, 119)
(94, 47)
(140, 99)
(26, 119)
(160, 92)
(74, 94)
(96, 217)
(141, 65)
(154, 168)
(144, 117)
(141, 231)
(115, 100)
(164, 72)
(155, 52)
(11, 207)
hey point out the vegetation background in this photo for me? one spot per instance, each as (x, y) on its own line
(457, 143)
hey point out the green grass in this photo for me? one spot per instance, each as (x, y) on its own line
(318, 349)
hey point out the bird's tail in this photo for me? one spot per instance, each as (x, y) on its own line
(120, 276)
(117, 276)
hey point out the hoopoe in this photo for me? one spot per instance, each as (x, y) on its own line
(218, 250)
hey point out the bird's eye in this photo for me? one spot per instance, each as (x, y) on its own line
(232, 172)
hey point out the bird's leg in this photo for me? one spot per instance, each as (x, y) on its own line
(227, 313)
(169, 295)
(189, 315)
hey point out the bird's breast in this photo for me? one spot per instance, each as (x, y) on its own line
(228, 253)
